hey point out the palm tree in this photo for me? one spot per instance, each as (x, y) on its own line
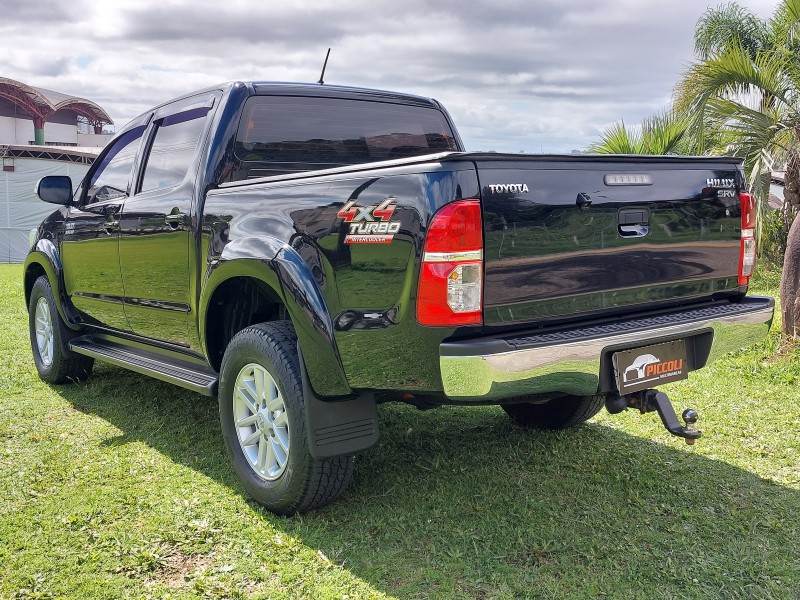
(662, 133)
(745, 92)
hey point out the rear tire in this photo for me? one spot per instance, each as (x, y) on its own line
(262, 411)
(55, 362)
(559, 413)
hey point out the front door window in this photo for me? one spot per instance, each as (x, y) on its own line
(90, 247)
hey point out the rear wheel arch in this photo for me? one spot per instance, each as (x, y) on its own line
(286, 282)
(234, 304)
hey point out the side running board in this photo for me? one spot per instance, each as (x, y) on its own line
(180, 373)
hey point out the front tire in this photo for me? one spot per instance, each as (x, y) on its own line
(55, 362)
(262, 412)
(559, 413)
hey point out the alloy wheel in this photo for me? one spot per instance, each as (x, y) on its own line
(44, 332)
(262, 425)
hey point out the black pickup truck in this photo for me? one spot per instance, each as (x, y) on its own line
(305, 252)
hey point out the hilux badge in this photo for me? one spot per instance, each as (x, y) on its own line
(370, 224)
(726, 187)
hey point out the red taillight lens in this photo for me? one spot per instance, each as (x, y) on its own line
(747, 249)
(450, 290)
(456, 228)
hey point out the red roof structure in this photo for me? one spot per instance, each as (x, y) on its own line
(39, 104)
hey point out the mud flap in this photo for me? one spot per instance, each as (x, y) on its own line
(338, 428)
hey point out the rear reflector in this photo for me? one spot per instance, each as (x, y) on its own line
(450, 290)
(747, 249)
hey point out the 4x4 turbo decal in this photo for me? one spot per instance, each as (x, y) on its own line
(370, 224)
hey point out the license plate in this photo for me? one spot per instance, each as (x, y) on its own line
(650, 366)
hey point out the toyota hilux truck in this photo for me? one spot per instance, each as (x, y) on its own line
(306, 252)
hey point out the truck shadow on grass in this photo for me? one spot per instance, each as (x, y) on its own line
(458, 502)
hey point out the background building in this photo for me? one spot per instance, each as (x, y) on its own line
(42, 132)
(30, 115)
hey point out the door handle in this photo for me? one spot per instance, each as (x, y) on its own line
(175, 219)
(111, 225)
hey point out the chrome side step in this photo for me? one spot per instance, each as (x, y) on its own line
(180, 373)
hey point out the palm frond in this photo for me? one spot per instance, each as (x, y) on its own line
(784, 26)
(761, 137)
(733, 73)
(663, 133)
(746, 130)
(618, 139)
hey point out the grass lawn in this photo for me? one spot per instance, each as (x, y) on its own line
(119, 487)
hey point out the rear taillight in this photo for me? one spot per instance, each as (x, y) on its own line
(747, 250)
(450, 287)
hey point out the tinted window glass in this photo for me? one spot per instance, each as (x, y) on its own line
(110, 180)
(173, 149)
(295, 134)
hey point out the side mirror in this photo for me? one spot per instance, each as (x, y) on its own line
(55, 189)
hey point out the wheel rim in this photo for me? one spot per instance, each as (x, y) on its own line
(44, 332)
(262, 425)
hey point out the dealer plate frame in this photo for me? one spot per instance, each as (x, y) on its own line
(647, 367)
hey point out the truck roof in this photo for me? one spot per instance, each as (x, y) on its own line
(284, 88)
(339, 91)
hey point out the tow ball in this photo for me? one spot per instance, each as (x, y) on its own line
(653, 400)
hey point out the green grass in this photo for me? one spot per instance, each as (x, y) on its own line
(119, 487)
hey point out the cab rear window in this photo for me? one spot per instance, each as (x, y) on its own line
(284, 134)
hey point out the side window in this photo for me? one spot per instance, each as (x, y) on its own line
(173, 149)
(110, 179)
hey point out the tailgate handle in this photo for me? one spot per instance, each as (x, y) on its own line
(634, 222)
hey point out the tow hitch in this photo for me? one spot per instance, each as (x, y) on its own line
(650, 400)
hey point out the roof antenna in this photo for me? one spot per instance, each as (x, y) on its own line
(321, 82)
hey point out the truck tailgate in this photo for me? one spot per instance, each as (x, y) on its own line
(567, 237)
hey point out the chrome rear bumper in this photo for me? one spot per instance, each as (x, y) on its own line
(570, 362)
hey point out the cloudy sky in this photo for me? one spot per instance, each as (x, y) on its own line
(532, 75)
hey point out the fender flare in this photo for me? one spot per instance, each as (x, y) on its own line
(45, 255)
(279, 267)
